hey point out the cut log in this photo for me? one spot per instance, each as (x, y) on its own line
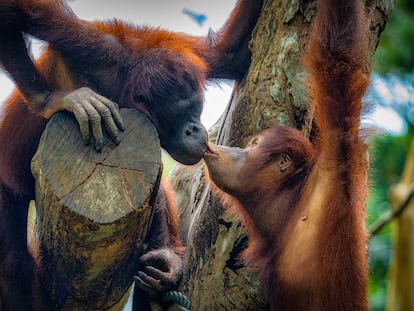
(93, 211)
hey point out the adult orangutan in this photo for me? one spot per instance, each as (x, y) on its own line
(89, 68)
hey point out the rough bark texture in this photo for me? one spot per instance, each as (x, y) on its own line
(272, 92)
(93, 211)
(400, 292)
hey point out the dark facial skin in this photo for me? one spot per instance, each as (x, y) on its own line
(182, 135)
(168, 88)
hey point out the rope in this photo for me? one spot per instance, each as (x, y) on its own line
(177, 297)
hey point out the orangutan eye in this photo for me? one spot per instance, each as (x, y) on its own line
(253, 143)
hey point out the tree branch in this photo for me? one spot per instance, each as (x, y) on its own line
(390, 216)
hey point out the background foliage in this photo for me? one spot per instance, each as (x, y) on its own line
(394, 61)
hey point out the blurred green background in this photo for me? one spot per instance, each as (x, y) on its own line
(394, 66)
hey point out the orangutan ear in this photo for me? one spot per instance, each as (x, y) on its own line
(284, 162)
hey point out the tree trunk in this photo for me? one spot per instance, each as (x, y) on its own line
(93, 211)
(400, 291)
(273, 92)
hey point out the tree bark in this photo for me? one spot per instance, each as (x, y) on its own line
(273, 92)
(93, 211)
(400, 291)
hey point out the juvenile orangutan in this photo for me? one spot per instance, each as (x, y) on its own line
(303, 203)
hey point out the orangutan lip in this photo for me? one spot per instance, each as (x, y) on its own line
(210, 152)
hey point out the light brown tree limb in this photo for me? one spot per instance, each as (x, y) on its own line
(391, 215)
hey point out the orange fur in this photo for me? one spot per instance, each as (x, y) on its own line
(304, 205)
(157, 72)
